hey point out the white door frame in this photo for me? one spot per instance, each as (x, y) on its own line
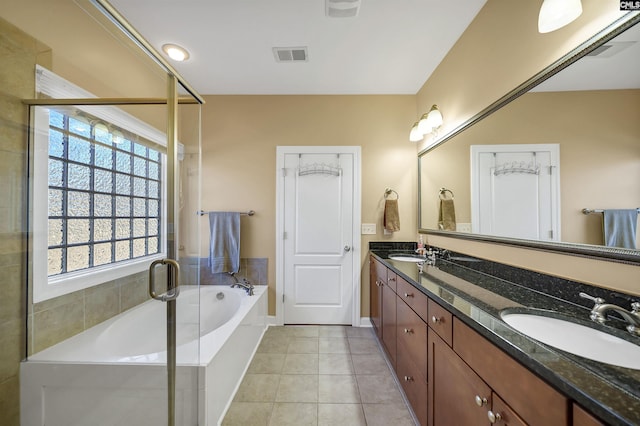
(356, 249)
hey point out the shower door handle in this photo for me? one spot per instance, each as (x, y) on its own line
(173, 280)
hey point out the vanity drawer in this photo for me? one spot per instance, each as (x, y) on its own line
(535, 402)
(441, 321)
(413, 297)
(412, 336)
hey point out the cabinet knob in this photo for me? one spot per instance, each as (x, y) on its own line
(408, 330)
(408, 378)
(391, 279)
(493, 417)
(408, 295)
(480, 401)
(435, 319)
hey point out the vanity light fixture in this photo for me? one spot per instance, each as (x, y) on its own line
(175, 52)
(555, 14)
(415, 135)
(428, 123)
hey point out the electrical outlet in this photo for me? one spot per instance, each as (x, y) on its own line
(368, 229)
(463, 227)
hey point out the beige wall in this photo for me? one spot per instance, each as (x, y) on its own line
(599, 154)
(501, 49)
(240, 136)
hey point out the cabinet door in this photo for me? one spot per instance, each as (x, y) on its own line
(412, 333)
(501, 414)
(389, 322)
(413, 384)
(457, 395)
(582, 418)
(378, 273)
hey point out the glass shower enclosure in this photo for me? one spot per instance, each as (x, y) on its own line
(112, 159)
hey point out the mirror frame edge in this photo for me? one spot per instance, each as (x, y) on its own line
(613, 254)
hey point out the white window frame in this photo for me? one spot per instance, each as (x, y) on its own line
(45, 287)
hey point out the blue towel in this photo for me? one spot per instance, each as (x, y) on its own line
(619, 227)
(224, 249)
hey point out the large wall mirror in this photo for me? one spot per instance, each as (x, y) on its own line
(587, 107)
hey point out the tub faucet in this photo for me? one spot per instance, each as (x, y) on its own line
(600, 309)
(248, 287)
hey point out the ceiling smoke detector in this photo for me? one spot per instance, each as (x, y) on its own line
(342, 8)
(290, 54)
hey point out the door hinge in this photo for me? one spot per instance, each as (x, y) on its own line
(550, 170)
(284, 235)
(284, 172)
(551, 234)
(282, 297)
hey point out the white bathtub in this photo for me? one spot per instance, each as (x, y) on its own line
(115, 374)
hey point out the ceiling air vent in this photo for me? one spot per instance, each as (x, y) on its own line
(290, 54)
(342, 8)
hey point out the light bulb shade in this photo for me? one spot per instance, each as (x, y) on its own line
(434, 118)
(423, 124)
(415, 135)
(556, 14)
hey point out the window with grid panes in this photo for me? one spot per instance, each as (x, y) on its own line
(104, 195)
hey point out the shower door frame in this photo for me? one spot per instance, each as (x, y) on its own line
(172, 101)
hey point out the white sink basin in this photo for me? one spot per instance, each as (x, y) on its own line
(407, 258)
(577, 339)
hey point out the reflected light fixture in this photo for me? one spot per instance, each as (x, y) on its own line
(555, 14)
(175, 52)
(428, 123)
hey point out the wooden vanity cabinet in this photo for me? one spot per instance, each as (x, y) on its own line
(534, 401)
(382, 305)
(377, 279)
(581, 417)
(389, 323)
(411, 367)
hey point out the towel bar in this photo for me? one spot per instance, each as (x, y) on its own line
(249, 213)
(589, 211)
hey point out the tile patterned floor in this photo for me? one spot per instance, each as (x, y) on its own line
(320, 376)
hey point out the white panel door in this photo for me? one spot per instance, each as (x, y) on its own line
(318, 234)
(515, 191)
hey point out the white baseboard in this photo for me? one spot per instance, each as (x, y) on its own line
(365, 322)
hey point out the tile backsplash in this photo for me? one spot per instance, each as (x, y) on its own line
(255, 270)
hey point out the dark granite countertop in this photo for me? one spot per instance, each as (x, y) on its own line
(477, 298)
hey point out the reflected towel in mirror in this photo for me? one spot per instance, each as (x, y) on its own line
(447, 215)
(224, 248)
(619, 227)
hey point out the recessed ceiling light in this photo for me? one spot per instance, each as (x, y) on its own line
(175, 52)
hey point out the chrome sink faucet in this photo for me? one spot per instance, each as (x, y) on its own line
(601, 308)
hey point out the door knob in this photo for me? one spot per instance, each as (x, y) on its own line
(347, 248)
